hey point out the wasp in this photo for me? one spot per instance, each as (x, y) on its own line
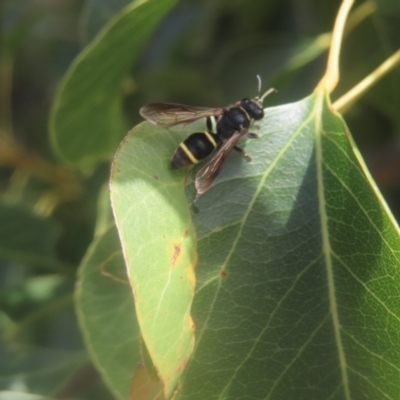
(225, 127)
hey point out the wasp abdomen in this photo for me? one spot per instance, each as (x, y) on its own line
(195, 148)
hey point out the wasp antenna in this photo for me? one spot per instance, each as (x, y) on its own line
(259, 84)
(268, 92)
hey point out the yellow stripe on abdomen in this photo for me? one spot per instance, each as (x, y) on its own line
(191, 157)
(210, 138)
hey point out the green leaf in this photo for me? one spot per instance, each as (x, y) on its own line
(96, 13)
(299, 298)
(297, 278)
(86, 120)
(27, 237)
(157, 236)
(107, 314)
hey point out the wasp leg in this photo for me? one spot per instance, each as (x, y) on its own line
(243, 153)
(252, 135)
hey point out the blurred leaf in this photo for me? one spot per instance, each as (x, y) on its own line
(27, 237)
(37, 370)
(389, 7)
(97, 13)
(107, 314)
(17, 23)
(154, 224)
(297, 280)
(39, 307)
(104, 217)
(21, 396)
(86, 121)
(31, 292)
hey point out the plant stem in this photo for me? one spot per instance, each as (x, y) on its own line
(353, 94)
(331, 77)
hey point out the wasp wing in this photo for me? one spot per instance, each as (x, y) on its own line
(207, 174)
(169, 114)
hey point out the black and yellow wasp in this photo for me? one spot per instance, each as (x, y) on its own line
(225, 126)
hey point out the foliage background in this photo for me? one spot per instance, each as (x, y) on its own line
(203, 53)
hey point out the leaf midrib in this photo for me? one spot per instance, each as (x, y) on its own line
(326, 246)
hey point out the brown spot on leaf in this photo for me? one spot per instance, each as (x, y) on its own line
(155, 177)
(192, 325)
(181, 366)
(176, 254)
(223, 273)
(186, 233)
